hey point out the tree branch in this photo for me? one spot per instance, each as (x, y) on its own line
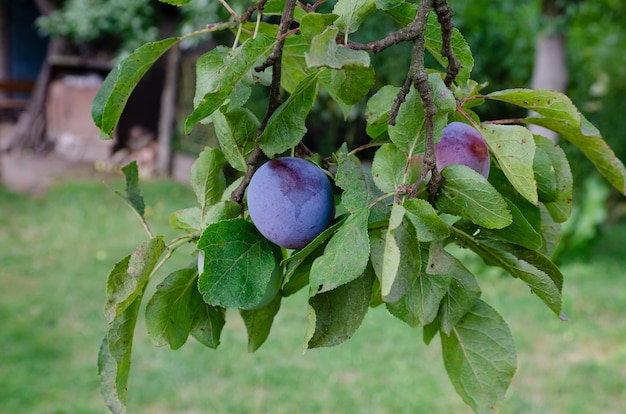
(274, 60)
(445, 16)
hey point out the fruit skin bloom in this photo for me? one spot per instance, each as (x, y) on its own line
(462, 144)
(290, 201)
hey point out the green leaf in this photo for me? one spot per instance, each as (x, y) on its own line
(428, 225)
(352, 13)
(297, 272)
(189, 219)
(520, 231)
(391, 168)
(550, 232)
(536, 270)
(409, 132)
(466, 193)
(462, 295)
(345, 256)
(545, 175)
(313, 24)
(479, 356)
(294, 67)
(395, 256)
(561, 208)
(334, 316)
(235, 132)
(420, 304)
(377, 110)
(208, 322)
(348, 86)
(259, 322)
(219, 72)
(129, 277)
(298, 265)
(514, 149)
(460, 47)
(401, 260)
(176, 2)
(169, 314)
(109, 102)
(286, 126)
(207, 178)
(358, 185)
(430, 331)
(132, 193)
(125, 288)
(114, 358)
(325, 52)
(559, 114)
(239, 265)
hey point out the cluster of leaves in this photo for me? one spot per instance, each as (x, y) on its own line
(130, 21)
(386, 247)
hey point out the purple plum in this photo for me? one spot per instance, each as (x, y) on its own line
(290, 201)
(462, 144)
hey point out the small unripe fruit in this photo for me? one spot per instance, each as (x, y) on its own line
(462, 144)
(290, 201)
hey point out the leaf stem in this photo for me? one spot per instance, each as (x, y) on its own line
(230, 9)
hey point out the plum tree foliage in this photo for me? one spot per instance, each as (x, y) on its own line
(385, 247)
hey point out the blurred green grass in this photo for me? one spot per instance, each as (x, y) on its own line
(57, 251)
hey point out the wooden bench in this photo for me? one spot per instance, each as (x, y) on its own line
(9, 87)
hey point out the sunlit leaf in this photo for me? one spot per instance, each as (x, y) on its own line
(325, 52)
(514, 149)
(559, 114)
(466, 193)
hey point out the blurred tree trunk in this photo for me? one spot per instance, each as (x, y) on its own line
(550, 70)
(168, 97)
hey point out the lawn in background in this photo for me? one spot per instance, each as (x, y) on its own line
(57, 251)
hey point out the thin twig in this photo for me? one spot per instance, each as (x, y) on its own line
(445, 16)
(230, 9)
(419, 75)
(399, 100)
